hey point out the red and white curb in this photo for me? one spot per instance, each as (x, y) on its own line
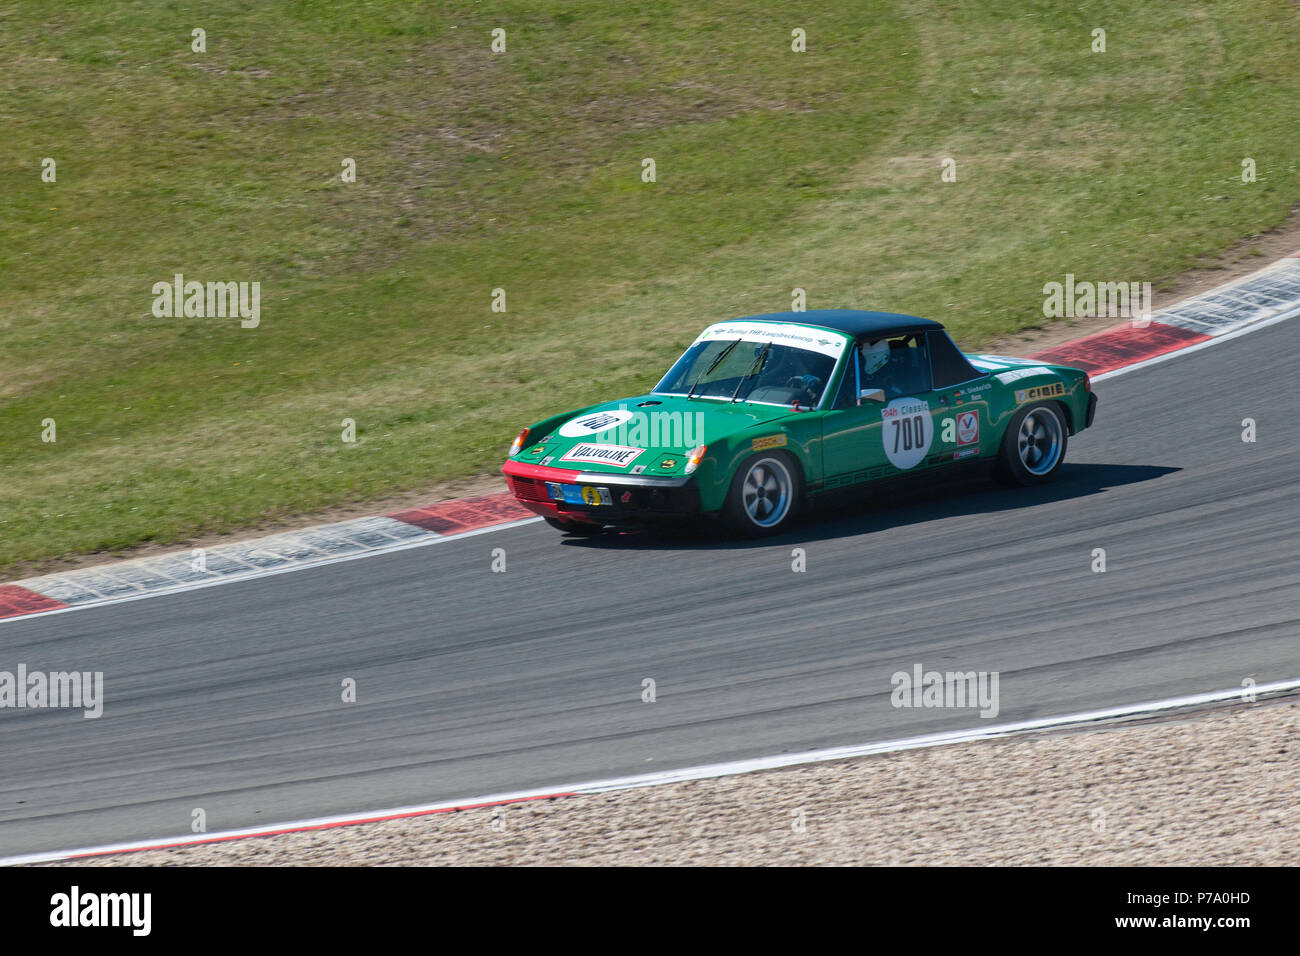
(261, 557)
(1252, 302)
(1083, 720)
(1270, 295)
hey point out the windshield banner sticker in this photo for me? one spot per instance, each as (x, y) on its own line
(795, 336)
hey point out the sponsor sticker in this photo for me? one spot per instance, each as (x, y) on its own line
(963, 453)
(594, 423)
(668, 464)
(1006, 378)
(974, 389)
(1003, 359)
(771, 441)
(1039, 391)
(796, 336)
(619, 456)
(968, 428)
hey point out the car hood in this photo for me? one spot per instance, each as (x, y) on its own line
(645, 434)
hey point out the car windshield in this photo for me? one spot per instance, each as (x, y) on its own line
(746, 370)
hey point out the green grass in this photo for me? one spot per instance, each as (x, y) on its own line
(522, 171)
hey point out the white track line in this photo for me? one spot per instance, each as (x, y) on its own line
(705, 772)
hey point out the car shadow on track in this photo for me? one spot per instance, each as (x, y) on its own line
(847, 514)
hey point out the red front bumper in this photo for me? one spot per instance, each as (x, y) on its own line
(637, 499)
(528, 485)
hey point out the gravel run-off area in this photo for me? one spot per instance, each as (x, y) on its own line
(1216, 788)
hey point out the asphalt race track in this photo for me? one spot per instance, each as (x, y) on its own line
(472, 682)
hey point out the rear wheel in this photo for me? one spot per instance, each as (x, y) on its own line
(579, 528)
(764, 495)
(1033, 446)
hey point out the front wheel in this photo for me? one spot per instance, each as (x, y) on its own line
(764, 495)
(1033, 446)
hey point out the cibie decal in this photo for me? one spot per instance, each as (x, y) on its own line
(620, 456)
(968, 428)
(907, 432)
(771, 441)
(1039, 391)
(594, 422)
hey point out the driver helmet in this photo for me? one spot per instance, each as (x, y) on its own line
(874, 356)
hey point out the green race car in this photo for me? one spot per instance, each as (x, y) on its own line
(762, 413)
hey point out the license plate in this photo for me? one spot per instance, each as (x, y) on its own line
(579, 494)
(593, 495)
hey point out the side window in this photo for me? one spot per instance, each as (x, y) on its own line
(848, 393)
(948, 364)
(900, 366)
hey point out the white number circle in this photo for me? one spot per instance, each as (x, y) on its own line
(593, 423)
(907, 432)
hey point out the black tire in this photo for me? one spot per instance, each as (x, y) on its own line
(582, 529)
(1033, 446)
(766, 493)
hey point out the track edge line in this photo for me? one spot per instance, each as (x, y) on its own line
(1274, 689)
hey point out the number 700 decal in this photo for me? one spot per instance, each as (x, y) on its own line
(910, 431)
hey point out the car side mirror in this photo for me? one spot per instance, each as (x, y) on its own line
(871, 395)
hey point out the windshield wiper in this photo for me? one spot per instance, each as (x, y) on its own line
(721, 355)
(758, 364)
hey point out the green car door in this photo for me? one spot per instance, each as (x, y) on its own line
(852, 446)
(885, 416)
(907, 402)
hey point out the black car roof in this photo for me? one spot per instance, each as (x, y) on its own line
(852, 322)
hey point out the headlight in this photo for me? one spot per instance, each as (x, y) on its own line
(519, 443)
(693, 460)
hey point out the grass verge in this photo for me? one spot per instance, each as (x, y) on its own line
(522, 171)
